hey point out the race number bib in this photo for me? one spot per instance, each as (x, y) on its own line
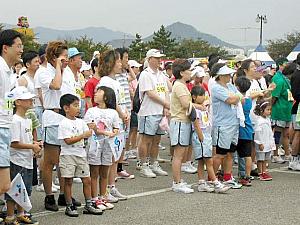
(7, 106)
(122, 95)
(205, 120)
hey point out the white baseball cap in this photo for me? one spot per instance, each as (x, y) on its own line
(198, 71)
(225, 70)
(154, 53)
(21, 93)
(85, 67)
(96, 53)
(133, 63)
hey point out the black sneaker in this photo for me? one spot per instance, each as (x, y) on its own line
(92, 209)
(71, 211)
(50, 203)
(62, 201)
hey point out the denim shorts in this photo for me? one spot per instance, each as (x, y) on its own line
(26, 174)
(4, 147)
(280, 123)
(224, 136)
(263, 156)
(202, 149)
(50, 135)
(180, 133)
(149, 125)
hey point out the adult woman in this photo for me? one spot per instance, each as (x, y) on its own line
(180, 124)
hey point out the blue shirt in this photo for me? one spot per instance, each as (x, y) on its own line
(246, 133)
(223, 113)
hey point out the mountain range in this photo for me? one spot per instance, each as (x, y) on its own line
(179, 31)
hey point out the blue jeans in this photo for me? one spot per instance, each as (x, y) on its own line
(241, 167)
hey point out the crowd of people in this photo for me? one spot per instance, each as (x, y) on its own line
(61, 113)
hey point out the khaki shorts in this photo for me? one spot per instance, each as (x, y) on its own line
(73, 166)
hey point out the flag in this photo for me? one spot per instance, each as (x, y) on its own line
(19, 194)
(117, 144)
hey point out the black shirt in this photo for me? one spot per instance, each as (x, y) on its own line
(295, 88)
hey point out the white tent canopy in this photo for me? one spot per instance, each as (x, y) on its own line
(293, 55)
(261, 54)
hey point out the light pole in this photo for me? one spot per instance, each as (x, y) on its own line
(262, 19)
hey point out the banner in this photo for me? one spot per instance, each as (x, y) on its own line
(117, 144)
(19, 194)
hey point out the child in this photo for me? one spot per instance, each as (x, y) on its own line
(263, 138)
(22, 151)
(72, 160)
(246, 133)
(103, 119)
(203, 149)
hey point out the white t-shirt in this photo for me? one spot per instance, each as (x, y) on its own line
(105, 119)
(21, 131)
(68, 82)
(68, 129)
(152, 81)
(254, 88)
(107, 81)
(6, 106)
(51, 97)
(31, 87)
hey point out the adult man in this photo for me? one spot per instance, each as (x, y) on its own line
(155, 103)
(282, 101)
(11, 49)
(295, 84)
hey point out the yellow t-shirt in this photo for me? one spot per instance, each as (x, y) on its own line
(178, 113)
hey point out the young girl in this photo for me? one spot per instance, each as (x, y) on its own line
(22, 150)
(263, 138)
(203, 149)
(103, 119)
(72, 160)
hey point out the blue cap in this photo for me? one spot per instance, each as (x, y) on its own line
(73, 52)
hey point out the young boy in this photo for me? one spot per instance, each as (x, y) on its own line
(72, 160)
(245, 134)
(22, 150)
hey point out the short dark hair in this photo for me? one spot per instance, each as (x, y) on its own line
(7, 37)
(198, 91)
(180, 65)
(66, 100)
(168, 65)
(94, 63)
(122, 51)
(244, 66)
(29, 56)
(109, 97)
(298, 59)
(243, 84)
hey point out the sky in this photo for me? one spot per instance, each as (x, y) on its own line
(229, 20)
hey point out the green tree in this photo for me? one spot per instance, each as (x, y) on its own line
(282, 47)
(189, 48)
(138, 48)
(162, 40)
(30, 43)
(87, 45)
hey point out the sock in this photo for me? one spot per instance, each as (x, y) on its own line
(227, 176)
(88, 202)
(120, 167)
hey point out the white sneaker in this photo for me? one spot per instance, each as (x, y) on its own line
(146, 171)
(138, 165)
(114, 192)
(204, 187)
(293, 163)
(220, 188)
(297, 166)
(187, 168)
(181, 188)
(77, 180)
(232, 184)
(281, 150)
(288, 158)
(110, 198)
(158, 170)
(277, 159)
(130, 155)
(56, 181)
(185, 183)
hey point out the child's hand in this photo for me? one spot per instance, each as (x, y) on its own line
(109, 134)
(92, 126)
(261, 147)
(87, 134)
(36, 148)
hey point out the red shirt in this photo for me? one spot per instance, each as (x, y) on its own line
(90, 88)
(190, 85)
